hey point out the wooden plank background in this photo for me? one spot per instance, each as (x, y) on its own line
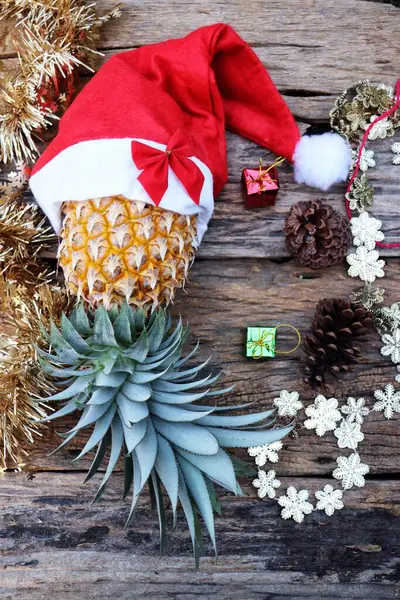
(53, 544)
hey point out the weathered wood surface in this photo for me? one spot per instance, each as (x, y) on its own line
(55, 545)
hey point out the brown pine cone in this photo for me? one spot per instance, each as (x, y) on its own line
(337, 327)
(317, 234)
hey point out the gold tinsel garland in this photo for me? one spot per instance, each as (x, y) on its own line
(51, 38)
(22, 380)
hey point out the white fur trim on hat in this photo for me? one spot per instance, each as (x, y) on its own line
(322, 160)
(104, 167)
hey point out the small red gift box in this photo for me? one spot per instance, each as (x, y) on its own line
(260, 186)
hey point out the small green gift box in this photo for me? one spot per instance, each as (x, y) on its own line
(261, 342)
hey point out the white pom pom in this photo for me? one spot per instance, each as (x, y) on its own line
(322, 160)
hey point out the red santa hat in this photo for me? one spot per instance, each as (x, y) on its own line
(150, 125)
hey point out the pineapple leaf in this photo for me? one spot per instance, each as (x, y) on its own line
(100, 454)
(128, 475)
(110, 380)
(63, 349)
(100, 429)
(191, 519)
(239, 421)
(215, 503)
(198, 489)
(242, 468)
(70, 335)
(169, 398)
(156, 332)
(146, 452)
(102, 396)
(167, 470)
(176, 413)
(140, 349)
(167, 386)
(136, 392)
(175, 335)
(79, 385)
(117, 438)
(134, 434)
(67, 409)
(146, 377)
(91, 414)
(237, 438)
(131, 412)
(103, 332)
(80, 321)
(182, 361)
(174, 375)
(218, 467)
(188, 436)
(122, 326)
(140, 318)
(160, 510)
(213, 393)
(137, 488)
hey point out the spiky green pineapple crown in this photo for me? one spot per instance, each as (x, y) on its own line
(125, 373)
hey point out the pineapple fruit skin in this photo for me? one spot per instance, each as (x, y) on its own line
(114, 249)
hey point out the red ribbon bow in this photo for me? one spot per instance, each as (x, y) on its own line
(154, 165)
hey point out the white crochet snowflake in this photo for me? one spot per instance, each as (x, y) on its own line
(365, 264)
(397, 378)
(392, 345)
(366, 160)
(380, 130)
(355, 410)
(329, 500)
(323, 415)
(348, 435)
(267, 452)
(395, 148)
(266, 483)
(366, 231)
(295, 504)
(350, 471)
(288, 404)
(388, 401)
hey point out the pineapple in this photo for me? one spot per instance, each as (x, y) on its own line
(113, 249)
(124, 373)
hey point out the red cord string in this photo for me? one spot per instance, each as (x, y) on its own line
(396, 105)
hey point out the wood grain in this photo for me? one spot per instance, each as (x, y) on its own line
(262, 556)
(53, 544)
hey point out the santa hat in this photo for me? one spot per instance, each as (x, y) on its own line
(150, 125)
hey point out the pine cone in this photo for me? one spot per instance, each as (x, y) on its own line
(337, 326)
(316, 234)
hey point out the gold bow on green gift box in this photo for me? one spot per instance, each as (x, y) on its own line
(261, 342)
